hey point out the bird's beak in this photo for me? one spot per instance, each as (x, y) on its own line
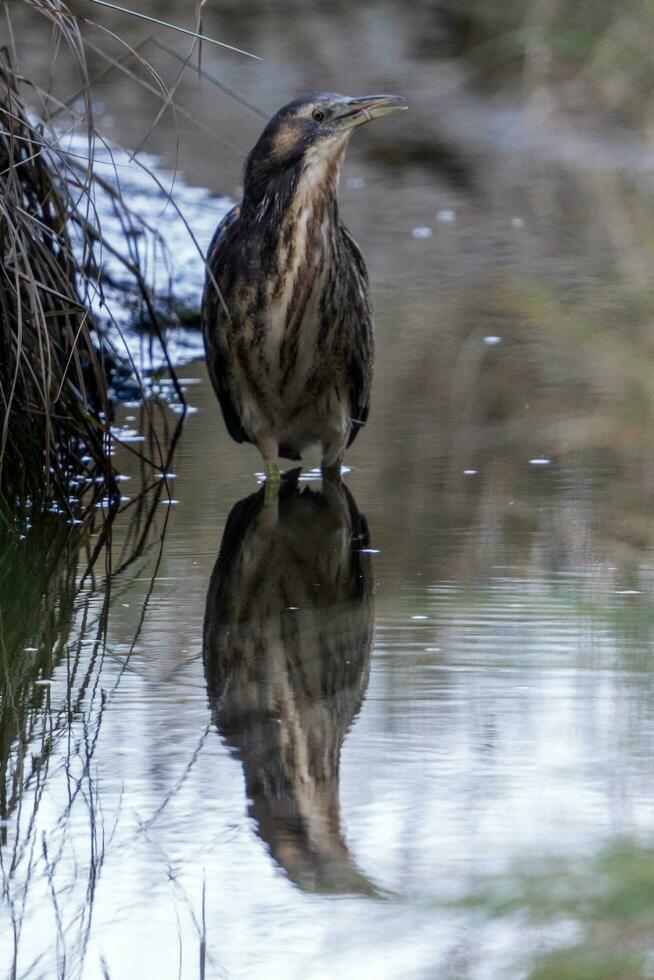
(354, 112)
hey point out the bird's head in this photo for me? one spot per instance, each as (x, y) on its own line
(311, 132)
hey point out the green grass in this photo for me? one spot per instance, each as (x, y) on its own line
(609, 898)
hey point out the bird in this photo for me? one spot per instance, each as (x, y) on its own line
(287, 641)
(286, 309)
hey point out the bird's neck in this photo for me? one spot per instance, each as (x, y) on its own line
(293, 199)
(313, 208)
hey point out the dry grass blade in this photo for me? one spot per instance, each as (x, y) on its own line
(50, 380)
(175, 27)
(56, 360)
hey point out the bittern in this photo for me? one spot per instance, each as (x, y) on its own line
(286, 311)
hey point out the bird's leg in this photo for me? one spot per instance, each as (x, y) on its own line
(267, 446)
(271, 470)
(332, 473)
(332, 458)
(267, 519)
(271, 491)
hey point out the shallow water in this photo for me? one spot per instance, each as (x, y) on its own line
(395, 717)
(301, 758)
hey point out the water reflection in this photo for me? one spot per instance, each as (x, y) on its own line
(37, 594)
(287, 639)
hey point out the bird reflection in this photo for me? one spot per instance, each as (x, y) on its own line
(287, 639)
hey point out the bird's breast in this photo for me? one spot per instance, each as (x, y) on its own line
(292, 260)
(293, 314)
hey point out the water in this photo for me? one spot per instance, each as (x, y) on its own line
(346, 743)
(398, 717)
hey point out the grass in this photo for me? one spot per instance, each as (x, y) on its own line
(57, 361)
(34, 623)
(607, 898)
(53, 697)
(52, 381)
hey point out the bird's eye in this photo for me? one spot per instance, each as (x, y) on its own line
(318, 115)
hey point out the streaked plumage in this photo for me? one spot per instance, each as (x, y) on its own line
(287, 638)
(286, 310)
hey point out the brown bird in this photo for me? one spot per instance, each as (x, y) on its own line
(286, 311)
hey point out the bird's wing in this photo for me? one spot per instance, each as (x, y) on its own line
(361, 348)
(216, 321)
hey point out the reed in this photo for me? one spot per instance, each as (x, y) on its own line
(57, 361)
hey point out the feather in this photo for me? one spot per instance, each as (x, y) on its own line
(286, 313)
